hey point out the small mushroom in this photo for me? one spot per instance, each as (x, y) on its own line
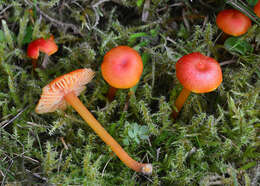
(257, 9)
(122, 68)
(64, 90)
(233, 22)
(197, 73)
(47, 46)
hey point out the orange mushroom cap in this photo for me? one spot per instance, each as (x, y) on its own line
(52, 97)
(47, 46)
(257, 9)
(233, 22)
(122, 67)
(198, 73)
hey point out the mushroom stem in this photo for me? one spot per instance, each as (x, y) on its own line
(111, 93)
(180, 101)
(34, 63)
(74, 101)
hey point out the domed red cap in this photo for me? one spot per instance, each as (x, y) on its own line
(198, 73)
(122, 67)
(257, 9)
(233, 22)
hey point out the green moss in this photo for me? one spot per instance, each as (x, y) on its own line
(214, 140)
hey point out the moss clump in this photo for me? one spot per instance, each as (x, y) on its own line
(214, 141)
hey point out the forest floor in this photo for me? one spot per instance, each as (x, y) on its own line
(214, 140)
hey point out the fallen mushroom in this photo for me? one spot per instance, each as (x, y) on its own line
(197, 73)
(47, 46)
(257, 9)
(65, 89)
(122, 68)
(233, 22)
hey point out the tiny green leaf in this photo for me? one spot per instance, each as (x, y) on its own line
(134, 36)
(237, 45)
(139, 3)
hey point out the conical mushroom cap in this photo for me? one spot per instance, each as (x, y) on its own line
(52, 97)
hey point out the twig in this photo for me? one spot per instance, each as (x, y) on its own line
(4, 177)
(35, 124)
(63, 142)
(185, 20)
(11, 120)
(37, 175)
(170, 6)
(227, 62)
(54, 21)
(216, 183)
(61, 153)
(9, 6)
(1, 173)
(145, 12)
(105, 166)
(26, 157)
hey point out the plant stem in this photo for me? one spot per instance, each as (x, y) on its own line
(180, 101)
(74, 101)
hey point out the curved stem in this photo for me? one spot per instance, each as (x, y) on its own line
(74, 101)
(111, 93)
(180, 101)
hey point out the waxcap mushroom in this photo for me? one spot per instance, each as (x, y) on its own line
(122, 67)
(233, 22)
(52, 97)
(47, 46)
(198, 73)
(257, 9)
(66, 88)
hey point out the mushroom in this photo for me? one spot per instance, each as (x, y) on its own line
(233, 22)
(47, 46)
(65, 89)
(122, 68)
(257, 9)
(197, 73)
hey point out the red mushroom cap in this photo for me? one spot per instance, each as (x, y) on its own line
(122, 67)
(47, 46)
(233, 22)
(198, 73)
(257, 9)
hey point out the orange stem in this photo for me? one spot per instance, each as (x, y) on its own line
(111, 93)
(34, 63)
(180, 101)
(74, 101)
